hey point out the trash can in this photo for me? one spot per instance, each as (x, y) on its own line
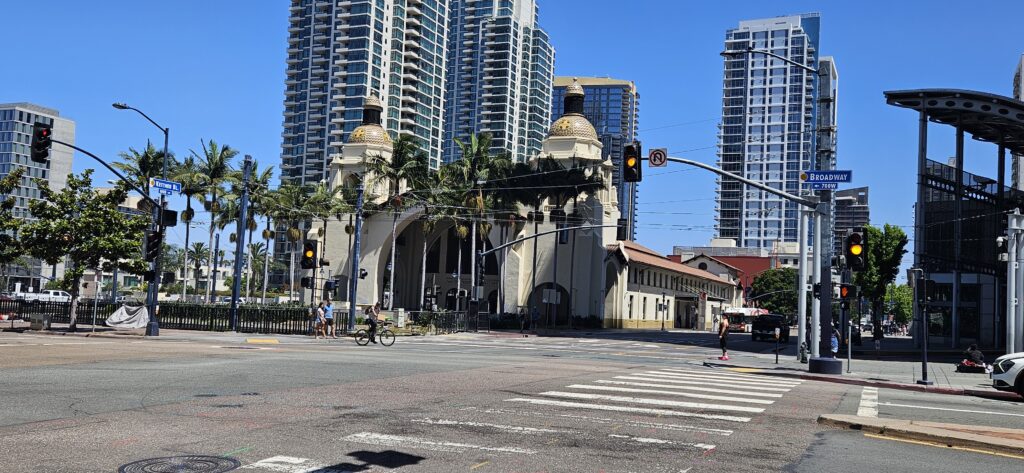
(39, 321)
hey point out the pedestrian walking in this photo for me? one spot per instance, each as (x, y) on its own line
(329, 319)
(835, 341)
(878, 335)
(319, 322)
(723, 338)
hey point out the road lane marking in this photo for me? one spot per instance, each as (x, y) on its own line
(971, 411)
(774, 381)
(731, 375)
(385, 440)
(637, 410)
(868, 402)
(648, 440)
(672, 393)
(272, 341)
(719, 379)
(603, 420)
(943, 445)
(505, 428)
(284, 464)
(688, 388)
(478, 465)
(746, 370)
(653, 402)
(702, 382)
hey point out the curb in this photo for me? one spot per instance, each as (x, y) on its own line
(990, 394)
(950, 435)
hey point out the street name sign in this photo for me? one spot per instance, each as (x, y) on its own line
(164, 184)
(165, 191)
(658, 157)
(823, 186)
(834, 176)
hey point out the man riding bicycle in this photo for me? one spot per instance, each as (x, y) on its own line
(371, 319)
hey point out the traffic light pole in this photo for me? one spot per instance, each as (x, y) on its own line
(353, 280)
(236, 282)
(153, 327)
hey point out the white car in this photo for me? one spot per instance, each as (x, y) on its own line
(1008, 373)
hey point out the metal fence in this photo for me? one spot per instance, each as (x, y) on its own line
(58, 312)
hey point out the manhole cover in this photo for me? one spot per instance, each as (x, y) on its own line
(182, 464)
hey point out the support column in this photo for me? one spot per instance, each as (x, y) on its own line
(802, 281)
(815, 308)
(957, 232)
(1011, 286)
(922, 158)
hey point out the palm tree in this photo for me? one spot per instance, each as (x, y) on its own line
(476, 168)
(215, 165)
(256, 252)
(199, 255)
(139, 167)
(290, 206)
(405, 169)
(193, 183)
(259, 193)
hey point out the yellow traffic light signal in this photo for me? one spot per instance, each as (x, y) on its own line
(631, 169)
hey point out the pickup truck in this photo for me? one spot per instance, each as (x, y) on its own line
(43, 296)
(765, 325)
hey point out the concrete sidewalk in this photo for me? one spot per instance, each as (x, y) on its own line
(1009, 442)
(879, 373)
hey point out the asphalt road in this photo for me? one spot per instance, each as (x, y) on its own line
(608, 402)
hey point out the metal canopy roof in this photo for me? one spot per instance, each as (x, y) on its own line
(986, 117)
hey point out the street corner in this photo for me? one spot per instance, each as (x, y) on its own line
(983, 439)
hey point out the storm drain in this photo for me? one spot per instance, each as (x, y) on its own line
(182, 464)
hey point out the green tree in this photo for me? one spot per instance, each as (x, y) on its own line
(193, 183)
(401, 174)
(885, 249)
(198, 255)
(140, 166)
(215, 165)
(84, 225)
(775, 290)
(290, 206)
(11, 251)
(900, 300)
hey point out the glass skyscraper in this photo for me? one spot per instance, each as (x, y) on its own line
(499, 78)
(613, 107)
(768, 126)
(339, 51)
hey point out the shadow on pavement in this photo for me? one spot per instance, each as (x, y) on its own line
(389, 459)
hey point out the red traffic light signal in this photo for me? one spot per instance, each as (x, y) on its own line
(42, 140)
(847, 291)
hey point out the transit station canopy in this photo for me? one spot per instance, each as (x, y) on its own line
(986, 117)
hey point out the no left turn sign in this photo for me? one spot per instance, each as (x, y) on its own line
(658, 157)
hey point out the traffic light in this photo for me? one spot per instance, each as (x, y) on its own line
(154, 239)
(621, 229)
(817, 290)
(42, 140)
(856, 249)
(632, 171)
(306, 282)
(847, 292)
(308, 254)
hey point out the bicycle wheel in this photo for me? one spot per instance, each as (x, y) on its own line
(387, 337)
(362, 337)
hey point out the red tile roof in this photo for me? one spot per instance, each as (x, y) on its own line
(641, 254)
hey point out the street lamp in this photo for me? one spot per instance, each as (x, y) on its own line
(825, 204)
(153, 328)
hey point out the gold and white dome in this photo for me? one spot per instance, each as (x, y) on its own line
(371, 133)
(572, 123)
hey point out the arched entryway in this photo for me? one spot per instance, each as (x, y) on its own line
(552, 303)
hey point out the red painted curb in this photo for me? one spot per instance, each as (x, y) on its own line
(885, 384)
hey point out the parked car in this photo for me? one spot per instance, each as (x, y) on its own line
(43, 296)
(765, 325)
(1008, 373)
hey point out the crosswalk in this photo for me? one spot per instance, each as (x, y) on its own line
(679, 409)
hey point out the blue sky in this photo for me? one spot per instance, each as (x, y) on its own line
(215, 69)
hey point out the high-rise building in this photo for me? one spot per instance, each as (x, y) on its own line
(500, 70)
(768, 126)
(851, 211)
(613, 107)
(339, 51)
(16, 120)
(1017, 173)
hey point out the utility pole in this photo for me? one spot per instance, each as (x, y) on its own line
(353, 280)
(240, 241)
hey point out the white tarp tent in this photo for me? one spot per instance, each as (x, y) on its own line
(129, 317)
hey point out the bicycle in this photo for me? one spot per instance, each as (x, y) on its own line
(386, 337)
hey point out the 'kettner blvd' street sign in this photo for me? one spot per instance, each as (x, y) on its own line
(825, 180)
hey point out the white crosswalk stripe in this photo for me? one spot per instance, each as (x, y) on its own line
(653, 402)
(671, 393)
(691, 388)
(634, 410)
(717, 379)
(701, 382)
(739, 378)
